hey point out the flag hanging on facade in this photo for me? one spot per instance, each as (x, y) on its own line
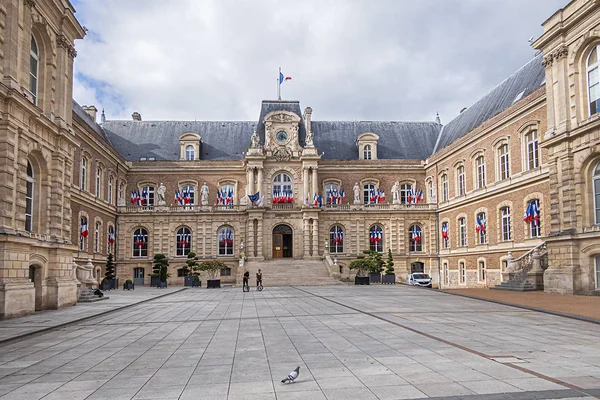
(254, 197)
(84, 228)
(111, 235)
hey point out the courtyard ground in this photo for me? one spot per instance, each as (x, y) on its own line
(351, 342)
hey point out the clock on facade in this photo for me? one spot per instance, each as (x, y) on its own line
(281, 136)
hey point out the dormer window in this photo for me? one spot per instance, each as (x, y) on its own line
(189, 143)
(367, 146)
(593, 65)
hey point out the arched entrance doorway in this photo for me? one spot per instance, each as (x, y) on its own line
(282, 241)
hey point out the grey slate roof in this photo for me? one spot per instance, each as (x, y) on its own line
(280, 105)
(80, 112)
(527, 79)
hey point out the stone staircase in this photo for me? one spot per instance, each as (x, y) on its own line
(526, 273)
(86, 296)
(290, 272)
(518, 283)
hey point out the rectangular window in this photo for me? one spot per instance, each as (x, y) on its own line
(445, 236)
(29, 207)
(481, 228)
(463, 272)
(445, 194)
(368, 193)
(33, 77)
(503, 162)
(535, 219)
(149, 194)
(446, 274)
(597, 198)
(532, 150)
(594, 84)
(432, 194)
(332, 194)
(110, 190)
(597, 272)
(405, 193)
(462, 226)
(480, 172)
(97, 238)
(83, 174)
(461, 181)
(505, 224)
(98, 180)
(482, 271)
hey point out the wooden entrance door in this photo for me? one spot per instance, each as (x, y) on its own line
(277, 245)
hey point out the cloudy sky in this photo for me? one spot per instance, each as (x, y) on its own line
(348, 59)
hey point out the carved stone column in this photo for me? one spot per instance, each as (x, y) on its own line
(259, 187)
(315, 181)
(250, 181)
(306, 233)
(315, 237)
(259, 240)
(305, 184)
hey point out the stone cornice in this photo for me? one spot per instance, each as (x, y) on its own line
(63, 42)
(561, 52)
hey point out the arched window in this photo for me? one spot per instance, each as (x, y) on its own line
(184, 241)
(369, 193)
(481, 228)
(461, 182)
(480, 165)
(405, 193)
(30, 181)
(416, 238)
(97, 238)
(34, 69)
(533, 218)
(445, 235)
(332, 194)
(444, 184)
(98, 181)
(596, 192)
(503, 164)
(376, 238)
(367, 152)
(189, 152)
(110, 190)
(83, 181)
(462, 232)
(83, 233)
(594, 80)
(505, 223)
(111, 239)
(140, 243)
(282, 185)
(532, 148)
(336, 239)
(225, 241)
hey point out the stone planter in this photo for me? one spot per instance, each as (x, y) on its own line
(162, 285)
(105, 286)
(213, 283)
(128, 286)
(114, 283)
(375, 277)
(196, 283)
(361, 280)
(188, 280)
(389, 279)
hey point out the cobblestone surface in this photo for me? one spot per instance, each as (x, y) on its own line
(377, 342)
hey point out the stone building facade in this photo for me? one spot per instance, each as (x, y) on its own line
(68, 181)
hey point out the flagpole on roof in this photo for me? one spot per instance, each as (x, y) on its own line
(279, 85)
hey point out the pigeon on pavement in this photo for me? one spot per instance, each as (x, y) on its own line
(292, 376)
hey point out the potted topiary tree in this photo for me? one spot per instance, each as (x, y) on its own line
(128, 285)
(188, 276)
(377, 264)
(390, 275)
(161, 269)
(105, 284)
(212, 268)
(154, 276)
(109, 274)
(362, 266)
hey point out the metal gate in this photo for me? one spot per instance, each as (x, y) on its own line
(138, 276)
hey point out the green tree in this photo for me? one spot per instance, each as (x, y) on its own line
(362, 266)
(191, 265)
(161, 267)
(110, 267)
(377, 262)
(211, 267)
(389, 270)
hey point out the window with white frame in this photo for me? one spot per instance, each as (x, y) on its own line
(140, 243)
(445, 193)
(282, 183)
(332, 193)
(97, 238)
(482, 271)
(446, 273)
(121, 190)
(593, 64)
(367, 152)
(481, 228)
(227, 194)
(432, 194)
(83, 233)
(405, 192)
(463, 272)
(368, 190)
(98, 181)
(462, 231)
(148, 194)
(597, 272)
(460, 184)
(376, 238)
(187, 195)
(183, 238)
(110, 189)
(480, 165)
(503, 162)
(596, 180)
(111, 239)
(505, 223)
(533, 218)
(83, 180)
(445, 235)
(225, 237)
(189, 152)
(30, 181)
(532, 148)
(34, 70)
(415, 234)
(336, 239)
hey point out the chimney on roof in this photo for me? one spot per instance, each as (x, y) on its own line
(437, 119)
(136, 116)
(91, 111)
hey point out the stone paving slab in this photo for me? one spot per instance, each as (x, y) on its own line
(379, 342)
(44, 320)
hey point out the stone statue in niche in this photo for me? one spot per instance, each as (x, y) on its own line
(396, 193)
(161, 194)
(204, 194)
(356, 193)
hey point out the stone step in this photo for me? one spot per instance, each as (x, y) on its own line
(284, 272)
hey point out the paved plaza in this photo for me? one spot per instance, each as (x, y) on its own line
(377, 342)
